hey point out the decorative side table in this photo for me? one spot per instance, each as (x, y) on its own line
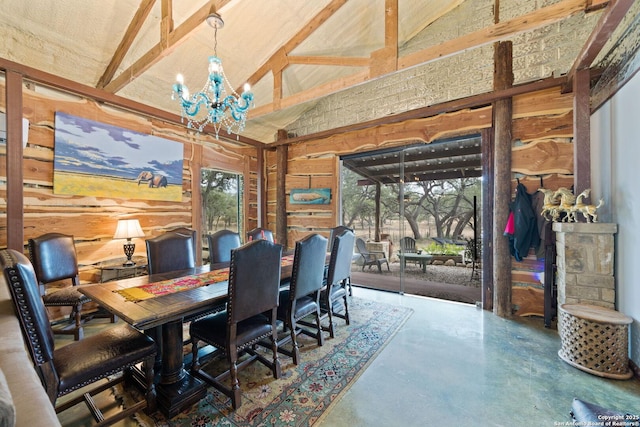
(595, 339)
(115, 269)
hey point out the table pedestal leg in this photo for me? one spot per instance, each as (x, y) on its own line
(177, 389)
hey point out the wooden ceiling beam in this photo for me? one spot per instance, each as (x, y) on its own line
(274, 63)
(164, 47)
(127, 40)
(500, 31)
(385, 60)
(609, 20)
(102, 96)
(341, 61)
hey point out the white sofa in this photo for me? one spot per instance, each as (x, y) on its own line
(28, 401)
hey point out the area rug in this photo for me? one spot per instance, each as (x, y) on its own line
(304, 392)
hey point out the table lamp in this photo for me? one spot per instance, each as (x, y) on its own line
(128, 229)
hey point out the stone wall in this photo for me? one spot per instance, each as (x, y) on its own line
(537, 54)
(585, 261)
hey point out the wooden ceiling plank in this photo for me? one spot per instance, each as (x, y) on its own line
(157, 52)
(609, 20)
(127, 40)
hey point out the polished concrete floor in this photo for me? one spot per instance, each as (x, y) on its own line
(454, 364)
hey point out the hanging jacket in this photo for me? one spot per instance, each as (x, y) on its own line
(525, 223)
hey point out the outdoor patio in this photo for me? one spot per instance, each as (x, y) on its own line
(439, 281)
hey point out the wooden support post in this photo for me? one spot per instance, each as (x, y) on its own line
(281, 195)
(377, 202)
(261, 189)
(502, 123)
(196, 199)
(487, 218)
(581, 131)
(15, 201)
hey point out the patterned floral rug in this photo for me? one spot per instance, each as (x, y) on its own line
(304, 392)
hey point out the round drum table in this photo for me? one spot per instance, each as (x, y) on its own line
(595, 340)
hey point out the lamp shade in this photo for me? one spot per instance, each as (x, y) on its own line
(128, 229)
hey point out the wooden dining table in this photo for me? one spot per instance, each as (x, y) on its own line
(176, 389)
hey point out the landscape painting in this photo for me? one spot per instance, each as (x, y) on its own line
(97, 159)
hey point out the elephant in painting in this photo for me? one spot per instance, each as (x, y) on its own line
(154, 179)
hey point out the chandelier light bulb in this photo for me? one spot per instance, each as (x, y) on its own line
(213, 104)
(246, 87)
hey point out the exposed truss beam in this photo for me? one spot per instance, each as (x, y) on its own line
(168, 43)
(499, 31)
(609, 20)
(127, 40)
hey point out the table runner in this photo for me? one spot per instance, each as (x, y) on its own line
(170, 286)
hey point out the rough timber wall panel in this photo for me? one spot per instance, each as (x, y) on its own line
(91, 220)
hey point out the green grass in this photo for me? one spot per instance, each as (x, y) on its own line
(103, 186)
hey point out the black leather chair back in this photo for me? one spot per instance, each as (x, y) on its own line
(220, 245)
(336, 231)
(254, 279)
(341, 255)
(308, 266)
(260, 233)
(188, 232)
(54, 258)
(30, 310)
(169, 252)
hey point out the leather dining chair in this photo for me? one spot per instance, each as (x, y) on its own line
(169, 252)
(260, 233)
(250, 317)
(80, 363)
(189, 232)
(54, 259)
(338, 272)
(220, 244)
(335, 231)
(302, 299)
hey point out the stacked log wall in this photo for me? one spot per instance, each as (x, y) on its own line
(542, 150)
(92, 220)
(542, 156)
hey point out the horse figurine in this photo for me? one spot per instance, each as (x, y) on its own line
(550, 205)
(567, 200)
(587, 211)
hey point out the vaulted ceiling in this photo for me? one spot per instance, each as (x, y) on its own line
(292, 52)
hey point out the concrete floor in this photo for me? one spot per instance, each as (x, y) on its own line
(454, 364)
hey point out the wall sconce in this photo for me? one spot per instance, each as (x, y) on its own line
(128, 229)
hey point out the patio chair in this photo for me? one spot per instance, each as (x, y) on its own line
(408, 246)
(370, 258)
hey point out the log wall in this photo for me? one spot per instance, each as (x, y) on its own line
(92, 220)
(542, 149)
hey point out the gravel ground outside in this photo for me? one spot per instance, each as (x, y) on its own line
(436, 273)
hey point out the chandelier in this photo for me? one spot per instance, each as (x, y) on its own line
(212, 105)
